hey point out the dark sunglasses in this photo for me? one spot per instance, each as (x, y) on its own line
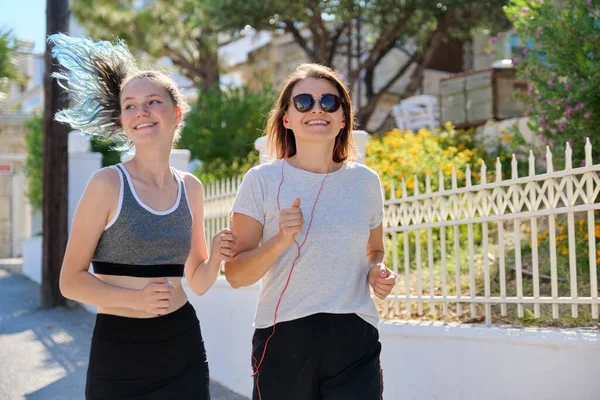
(305, 102)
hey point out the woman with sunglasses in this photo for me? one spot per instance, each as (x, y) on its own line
(309, 226)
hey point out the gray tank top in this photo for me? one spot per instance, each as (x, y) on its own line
(143, 242)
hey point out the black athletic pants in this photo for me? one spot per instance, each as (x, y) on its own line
(319, 357)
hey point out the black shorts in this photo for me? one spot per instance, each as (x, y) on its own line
(148, 358)
(319, 357)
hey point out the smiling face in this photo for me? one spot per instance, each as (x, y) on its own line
(148, 114)
(315, 124)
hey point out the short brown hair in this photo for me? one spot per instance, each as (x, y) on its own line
(275, 131)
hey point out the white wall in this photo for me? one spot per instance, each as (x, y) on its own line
(81, 168)
(432, 362)
(425, 361)
(82, 165)
(32, 259)
(21, 213)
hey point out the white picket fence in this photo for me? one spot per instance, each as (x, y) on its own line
(530, 201)
(218, 199)
(506, 213)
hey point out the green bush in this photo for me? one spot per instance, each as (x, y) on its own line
(103, 145)
(398, 155)
(221, 128)
(8, 67)
(33, 163)
(560, 58)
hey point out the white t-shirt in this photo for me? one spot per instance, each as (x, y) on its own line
(331, 274)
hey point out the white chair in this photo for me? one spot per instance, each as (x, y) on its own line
(417, 112)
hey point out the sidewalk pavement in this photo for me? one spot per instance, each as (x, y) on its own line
(44, 352)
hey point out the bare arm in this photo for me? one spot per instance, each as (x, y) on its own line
(375, 250)
(381, 279)
(200, 271)
(90, 217)
(252, 261)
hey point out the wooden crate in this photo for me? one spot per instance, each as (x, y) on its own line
(472, 98)
(452, 100)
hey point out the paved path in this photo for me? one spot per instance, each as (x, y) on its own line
(43, 353)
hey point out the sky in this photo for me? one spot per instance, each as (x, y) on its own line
(26, 19)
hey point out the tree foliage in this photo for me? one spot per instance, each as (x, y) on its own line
(560, 58)
(178, 29)
(221, 128)
(8, 67)
(326, 29)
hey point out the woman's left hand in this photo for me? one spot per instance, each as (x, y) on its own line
(382, 280)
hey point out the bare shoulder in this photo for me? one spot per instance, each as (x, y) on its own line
(100, 197)
(106, 180)
(193, 188)
(191, 182)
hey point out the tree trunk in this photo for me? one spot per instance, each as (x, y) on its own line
(209, 65)
(434, 42)
(56, 167)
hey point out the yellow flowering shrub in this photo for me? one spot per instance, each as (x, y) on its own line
(396, 155)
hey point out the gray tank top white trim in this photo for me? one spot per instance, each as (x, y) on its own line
(147, 207)
(140, 235)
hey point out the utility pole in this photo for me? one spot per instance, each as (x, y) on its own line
(56, 166)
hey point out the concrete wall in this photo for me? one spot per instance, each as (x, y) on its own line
(6, 184)
(12, 186)
(15, 224)
(82, 165)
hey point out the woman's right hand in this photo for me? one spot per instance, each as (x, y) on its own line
(291, 221)
(155, 298)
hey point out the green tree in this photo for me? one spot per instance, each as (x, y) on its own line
(8, 68)
(33, 163)
(328, 29)
(560, 59)
(177, 29)
(221, 128)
